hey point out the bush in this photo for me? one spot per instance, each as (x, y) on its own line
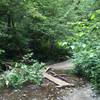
(23, 73)
(86, 51)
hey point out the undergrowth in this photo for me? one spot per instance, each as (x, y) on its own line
(23, 72)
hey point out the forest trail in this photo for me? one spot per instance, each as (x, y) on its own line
(82, 90)
(65, 65)
(49, 91)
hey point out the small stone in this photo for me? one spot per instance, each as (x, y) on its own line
(24, 95)
(71, 91)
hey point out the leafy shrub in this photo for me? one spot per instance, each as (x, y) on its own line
(23, 73)
(86, 51)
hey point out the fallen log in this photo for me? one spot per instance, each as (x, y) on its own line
(56, 80)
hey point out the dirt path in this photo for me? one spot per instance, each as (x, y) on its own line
(49, 91)
(81, 91)
(65, 65)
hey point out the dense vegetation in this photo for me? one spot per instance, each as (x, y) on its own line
(86, 47)
(47, 30)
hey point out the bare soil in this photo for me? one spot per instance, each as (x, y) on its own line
(50, 91)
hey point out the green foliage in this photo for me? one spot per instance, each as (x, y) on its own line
(22, 73)
(53, 29)
(48, 28)
(25, 24)
(1, 51)
(14, 22)
(86, 49)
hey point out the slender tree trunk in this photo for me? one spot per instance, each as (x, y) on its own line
(10, 22)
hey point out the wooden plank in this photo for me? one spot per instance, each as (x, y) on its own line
(56, 80)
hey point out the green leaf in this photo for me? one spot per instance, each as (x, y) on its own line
(93, 16)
